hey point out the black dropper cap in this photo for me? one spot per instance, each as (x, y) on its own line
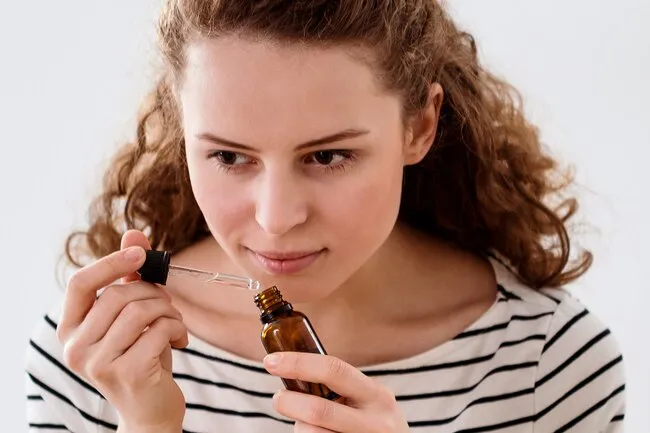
(155, 267)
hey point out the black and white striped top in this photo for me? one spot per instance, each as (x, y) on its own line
(536, 361)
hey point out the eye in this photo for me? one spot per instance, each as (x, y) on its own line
(329, 157)
(229, 158)
(229, 161)
(331, 160)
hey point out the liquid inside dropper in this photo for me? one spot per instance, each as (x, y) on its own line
(157, 268)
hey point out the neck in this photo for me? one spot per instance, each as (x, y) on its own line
(412, 286)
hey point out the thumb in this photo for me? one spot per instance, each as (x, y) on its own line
(134, 238)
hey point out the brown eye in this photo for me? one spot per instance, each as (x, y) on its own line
(331, 160)
(227, 158)
(324, 157)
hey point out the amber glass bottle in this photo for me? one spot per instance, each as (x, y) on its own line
(288, 330)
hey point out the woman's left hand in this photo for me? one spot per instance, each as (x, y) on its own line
(369, 406)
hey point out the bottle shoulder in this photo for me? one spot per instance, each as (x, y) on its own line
(283, 313)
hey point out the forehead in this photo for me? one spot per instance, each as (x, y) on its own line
(238, 82)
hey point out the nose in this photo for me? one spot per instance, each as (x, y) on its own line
(281, 205)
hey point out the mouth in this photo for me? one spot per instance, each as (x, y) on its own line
(285, 262)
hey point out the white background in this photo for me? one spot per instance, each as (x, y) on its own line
(72, 74)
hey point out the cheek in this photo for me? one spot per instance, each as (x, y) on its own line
(221, 201)
(365, 209)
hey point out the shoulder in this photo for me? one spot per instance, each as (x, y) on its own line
(580, 377)
(56, 395)
(569, 324)
(574, 336)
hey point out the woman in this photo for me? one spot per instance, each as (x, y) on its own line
(358, 156)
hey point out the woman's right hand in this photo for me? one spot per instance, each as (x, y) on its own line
(121, 342)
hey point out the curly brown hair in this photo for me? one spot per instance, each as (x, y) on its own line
(485, 185)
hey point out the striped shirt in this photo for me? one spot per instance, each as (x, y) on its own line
(536, 361)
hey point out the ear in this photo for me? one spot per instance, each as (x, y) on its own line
(421, 129)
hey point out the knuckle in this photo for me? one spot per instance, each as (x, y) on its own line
(134, 310)
(336, 368)
(176, 313)
(174, 326)
(165, 329)
(162, 325)
(97, 369)
(386, 398)
(320, 411)
(76, 282)
(74, 356)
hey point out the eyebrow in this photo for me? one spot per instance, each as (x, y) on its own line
(332, 138)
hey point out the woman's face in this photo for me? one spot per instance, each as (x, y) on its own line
(295, 158)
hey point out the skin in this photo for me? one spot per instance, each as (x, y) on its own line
(341, 198)
(277, 196)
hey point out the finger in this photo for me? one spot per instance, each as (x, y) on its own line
(319, 412)
(132, 322)
(154, 341)
(119, 305)
(82, 288)
(110, 304)
(339, 376)
(130, 239)
(302, 427)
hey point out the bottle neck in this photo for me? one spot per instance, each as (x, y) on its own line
(271, 304)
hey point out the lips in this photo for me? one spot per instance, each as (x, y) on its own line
(285, 262)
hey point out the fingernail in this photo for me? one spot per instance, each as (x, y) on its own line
(133, 254)
(272, 359)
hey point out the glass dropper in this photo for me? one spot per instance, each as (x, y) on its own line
(157, 268)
